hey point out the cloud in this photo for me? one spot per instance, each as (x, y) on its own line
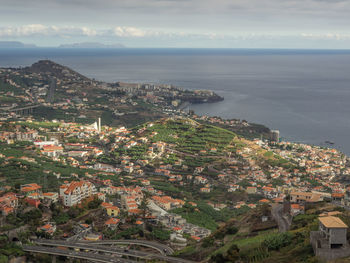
(327, 36)
(42, 30)
(145, 18)
(22, 30)
(88, 31)
(132, 36)
(120, 32)
(129, 32)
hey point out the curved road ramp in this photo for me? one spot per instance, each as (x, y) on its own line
(100, 251)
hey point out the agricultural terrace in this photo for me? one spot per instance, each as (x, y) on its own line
(191, 137)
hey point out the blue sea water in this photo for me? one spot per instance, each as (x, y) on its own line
(303, 93)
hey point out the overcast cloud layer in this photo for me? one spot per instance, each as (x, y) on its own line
(179, 23)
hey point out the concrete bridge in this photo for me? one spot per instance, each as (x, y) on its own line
(57, 247)
(25, 110)
(75, 254)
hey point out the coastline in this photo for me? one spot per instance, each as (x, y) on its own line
(285, 116)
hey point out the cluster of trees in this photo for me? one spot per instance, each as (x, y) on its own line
(157, 232)
(8, 249)
(126, 234)
(62, 217)
(31, 217)
(275, 242)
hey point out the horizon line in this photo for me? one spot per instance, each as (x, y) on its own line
(193, 48)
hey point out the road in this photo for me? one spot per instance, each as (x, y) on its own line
(282, 221)
(163, 249)
(76, 254)
(93, 246)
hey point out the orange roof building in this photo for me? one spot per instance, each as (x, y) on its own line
(73, 193)
(30, 188)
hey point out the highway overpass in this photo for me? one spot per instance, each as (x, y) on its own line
(76, 254)
(163, 249)
(96, 246)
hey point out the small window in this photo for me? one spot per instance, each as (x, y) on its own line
(336, 245)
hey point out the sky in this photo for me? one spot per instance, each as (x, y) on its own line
(319, 24)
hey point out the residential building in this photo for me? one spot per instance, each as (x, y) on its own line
(48, 228)
(251, 190)
(76, 191)
(112, 223)
(330, 241)
(52, 150)
(205, 190)
(8, 203)
(296, 209)
(51, 197)
(28, 189)
(112, 211)
(300, 197)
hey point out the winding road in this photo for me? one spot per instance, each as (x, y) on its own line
(282, 221)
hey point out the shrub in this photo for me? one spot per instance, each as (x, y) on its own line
(161, 234)
(94, 203)
(231, 230)
(61, 218)
(278, 241)
(3, 259)
(218, 258)
(207, 242)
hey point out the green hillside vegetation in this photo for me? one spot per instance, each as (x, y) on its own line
(237, 241)
(5, 87)
(191, 137)
(16, 171)
(37, 125)
(205, 216)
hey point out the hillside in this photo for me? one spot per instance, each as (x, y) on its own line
(59, 92)
(238, 240)
(217, 192)
(52, 69)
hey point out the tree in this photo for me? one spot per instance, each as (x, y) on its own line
(218, 258)
(232, 230)
(207, 242)
(144, 202)
(94, 203)
(61, 218)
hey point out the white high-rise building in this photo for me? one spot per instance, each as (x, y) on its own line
(275, 135)
(74, 192)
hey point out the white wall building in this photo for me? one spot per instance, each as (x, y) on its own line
(74, 192)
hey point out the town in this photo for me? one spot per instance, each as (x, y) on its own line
(177, 179)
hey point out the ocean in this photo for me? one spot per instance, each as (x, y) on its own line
(303, 93)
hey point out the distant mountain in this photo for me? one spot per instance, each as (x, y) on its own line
(15, 44)
(91, 45)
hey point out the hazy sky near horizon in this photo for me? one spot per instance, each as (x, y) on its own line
(179, 23)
